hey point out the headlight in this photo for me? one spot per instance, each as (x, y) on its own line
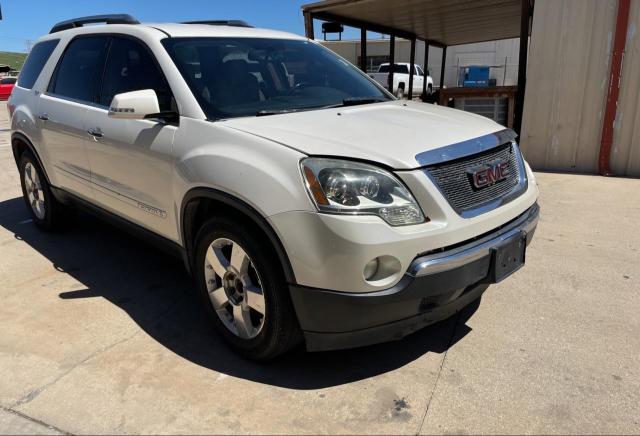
(353, 188)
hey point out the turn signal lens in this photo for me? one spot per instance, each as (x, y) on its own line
(314, 187)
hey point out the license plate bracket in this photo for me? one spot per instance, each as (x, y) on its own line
(507, 258)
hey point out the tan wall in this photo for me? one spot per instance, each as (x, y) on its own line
(567, 81)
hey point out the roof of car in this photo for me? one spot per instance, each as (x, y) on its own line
(180, 30)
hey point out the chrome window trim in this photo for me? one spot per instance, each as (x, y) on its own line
(465, 148)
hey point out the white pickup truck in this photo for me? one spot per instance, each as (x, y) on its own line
(401, 78)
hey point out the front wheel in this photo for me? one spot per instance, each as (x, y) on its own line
(244, 291)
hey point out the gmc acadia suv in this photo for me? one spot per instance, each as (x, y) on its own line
(305, 200)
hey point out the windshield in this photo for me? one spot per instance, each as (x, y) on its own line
(235, 77)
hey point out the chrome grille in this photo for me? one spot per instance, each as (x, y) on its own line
(457, 187)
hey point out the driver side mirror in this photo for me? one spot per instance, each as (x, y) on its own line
(134, 105)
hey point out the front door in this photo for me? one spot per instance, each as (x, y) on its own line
(131, 160)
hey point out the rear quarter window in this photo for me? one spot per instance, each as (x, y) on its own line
(402, 69)
(40, 54)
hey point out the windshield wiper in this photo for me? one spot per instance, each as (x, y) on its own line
(278, 112)
(351, 101)
(354, 101)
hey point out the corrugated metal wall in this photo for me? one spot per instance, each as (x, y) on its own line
(567, 82)
(625, 155)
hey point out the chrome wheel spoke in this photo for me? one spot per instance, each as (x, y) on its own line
(32, 173)
(39, 208)
(255, 298)
(242, 322)
(239, 259)
(218, 298)
(217, 261)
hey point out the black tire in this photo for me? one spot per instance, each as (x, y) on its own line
(53, 216)
(280, 330)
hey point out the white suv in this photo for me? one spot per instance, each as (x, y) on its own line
(306, 201)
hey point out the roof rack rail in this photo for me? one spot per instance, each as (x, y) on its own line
(107, 19)
(234, 23)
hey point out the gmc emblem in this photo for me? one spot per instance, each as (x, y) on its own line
(489, 174)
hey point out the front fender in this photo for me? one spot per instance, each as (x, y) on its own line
(262, 173)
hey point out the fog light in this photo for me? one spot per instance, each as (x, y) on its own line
(382, 271)
(370, 269)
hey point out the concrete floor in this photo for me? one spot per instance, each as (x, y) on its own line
(100, 334)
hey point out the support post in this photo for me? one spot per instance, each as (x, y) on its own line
(392, 61)
(442, 67)
(412, 66)
(308, 25)
(363, 50)
(425, 68)
(525, 15)
(617, 57)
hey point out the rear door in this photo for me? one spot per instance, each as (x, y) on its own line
(131, 161)
(62, 110)
(418, 80)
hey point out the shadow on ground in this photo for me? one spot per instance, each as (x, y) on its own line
(156, 292)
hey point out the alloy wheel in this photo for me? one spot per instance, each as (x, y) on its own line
(35, 194)
(234, 288)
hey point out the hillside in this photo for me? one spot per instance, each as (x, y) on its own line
(14, 60)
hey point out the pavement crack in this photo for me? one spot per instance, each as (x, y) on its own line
(34, 420)
(34, 393)
(435, 384)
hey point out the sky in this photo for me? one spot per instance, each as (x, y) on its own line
(24, 21)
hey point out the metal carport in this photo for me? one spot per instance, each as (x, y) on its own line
(439, 23)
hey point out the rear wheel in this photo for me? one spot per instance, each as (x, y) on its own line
(243, 288)
(43, 207)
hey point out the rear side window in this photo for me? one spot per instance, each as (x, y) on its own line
(131, 67)
(8, 81)
(40, 54)
(397, 68)
(79, 69)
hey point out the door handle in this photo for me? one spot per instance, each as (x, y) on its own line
(96, 132)
(44, 117)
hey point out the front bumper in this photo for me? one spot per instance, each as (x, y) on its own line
(436, 286)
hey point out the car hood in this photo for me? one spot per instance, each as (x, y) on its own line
(391, 133)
